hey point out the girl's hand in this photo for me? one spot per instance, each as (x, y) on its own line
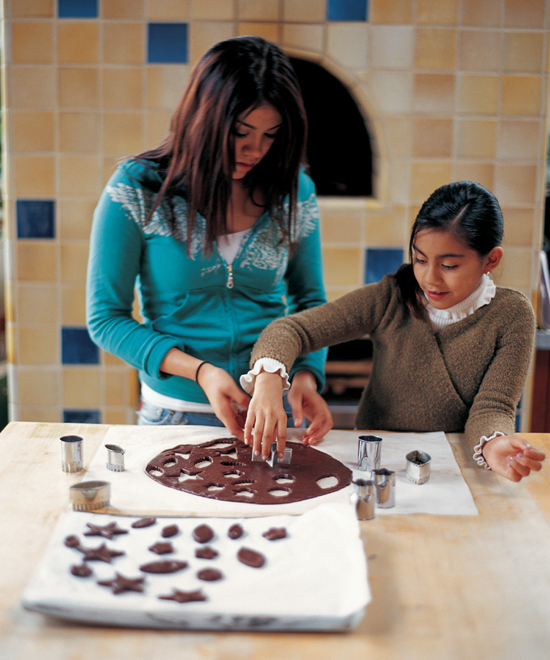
(305, 401)
(266, 419)
(512, 457)
(223, 393)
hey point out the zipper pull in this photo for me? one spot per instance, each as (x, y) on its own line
(229, 284)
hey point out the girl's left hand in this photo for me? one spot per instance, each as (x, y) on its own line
(512, 457)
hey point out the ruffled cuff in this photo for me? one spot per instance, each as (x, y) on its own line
(269, 365)
(478, 449)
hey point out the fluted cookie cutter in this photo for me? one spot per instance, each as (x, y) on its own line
(418, 467)
(369, 453)
(90, 495)
(384, 482)
(115, 458)
(273, 459)
(363, 496)
(71, 453)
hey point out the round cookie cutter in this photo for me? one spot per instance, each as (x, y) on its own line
(90, 495)
(418, 467)
(369, 452)
(363, 497)
(71, 453)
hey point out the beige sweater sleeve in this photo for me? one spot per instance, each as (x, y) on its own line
(349, 317)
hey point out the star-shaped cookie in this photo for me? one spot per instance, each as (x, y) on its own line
(102, 553)
(120, 583)
(185, 596)
(107, 531)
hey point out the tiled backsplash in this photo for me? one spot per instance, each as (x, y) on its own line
(449, 90)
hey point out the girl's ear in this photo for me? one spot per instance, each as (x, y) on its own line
(492, 260)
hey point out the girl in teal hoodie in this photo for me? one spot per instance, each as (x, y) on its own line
(218, 229)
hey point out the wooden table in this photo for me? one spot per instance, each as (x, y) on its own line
(443, 587)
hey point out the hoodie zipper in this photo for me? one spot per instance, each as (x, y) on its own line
(229, 283)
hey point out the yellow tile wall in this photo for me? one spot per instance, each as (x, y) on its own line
(452, 90)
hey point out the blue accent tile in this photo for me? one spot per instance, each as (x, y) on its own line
(81, 417)
(77, 347)
(167, 43)
(77, 8)
(35, 218)
(380, 262)
(347, 10)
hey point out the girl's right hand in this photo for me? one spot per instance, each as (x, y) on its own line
(266, 419)
(223, 393)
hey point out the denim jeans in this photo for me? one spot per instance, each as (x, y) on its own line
(151, 415)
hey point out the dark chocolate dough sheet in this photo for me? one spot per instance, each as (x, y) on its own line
(223, 470)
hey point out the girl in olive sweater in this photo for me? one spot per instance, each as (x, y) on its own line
(451, 350)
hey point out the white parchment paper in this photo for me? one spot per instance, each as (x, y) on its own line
(133, 492)
(315, 579)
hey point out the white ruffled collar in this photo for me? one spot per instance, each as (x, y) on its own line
(483, 295)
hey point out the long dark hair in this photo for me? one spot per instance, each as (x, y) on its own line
(465, 208)
(198, 155)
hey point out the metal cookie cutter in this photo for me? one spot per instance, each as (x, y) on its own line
(418, 467)
(90, 495)
(369, 452)
(363, 495)
(71, 453)
(273, 459)
(115, 458)
(384, 481)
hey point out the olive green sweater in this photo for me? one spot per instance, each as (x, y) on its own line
(467, 377)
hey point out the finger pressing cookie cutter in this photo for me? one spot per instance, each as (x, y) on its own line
(273, 459)
(90, 495)
(115, 458)
(418, 467)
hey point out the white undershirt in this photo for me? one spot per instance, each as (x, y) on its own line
(228, 245)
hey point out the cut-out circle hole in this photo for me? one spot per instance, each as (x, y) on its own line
(220, 445)
(279, 492)
(214, 488)
(169, 463)
(155, 473)
(184, 456)
(327, 481)
(285, 479)
(244, 492)
(233, 474)
(203, 462)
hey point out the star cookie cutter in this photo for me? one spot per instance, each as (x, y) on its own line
(273, 459)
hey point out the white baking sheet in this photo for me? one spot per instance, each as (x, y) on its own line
(132, 491)
(315, 579)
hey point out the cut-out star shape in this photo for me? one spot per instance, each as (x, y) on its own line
(107, 531)
(185, 596)
(100, 554)
(120, 583)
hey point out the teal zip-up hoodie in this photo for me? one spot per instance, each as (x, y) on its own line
(193, 302)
